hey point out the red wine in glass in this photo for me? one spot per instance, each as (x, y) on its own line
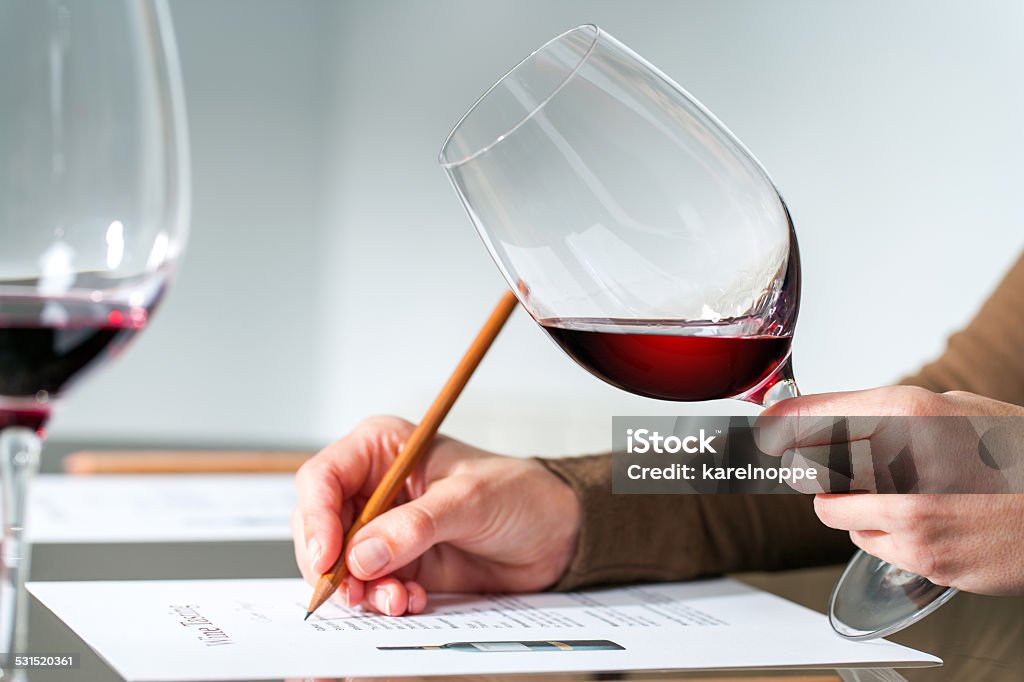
(48, 342)
(669, 359)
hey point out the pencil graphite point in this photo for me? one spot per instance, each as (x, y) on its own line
(308, 614)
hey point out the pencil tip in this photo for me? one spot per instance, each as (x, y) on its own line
(308, 614)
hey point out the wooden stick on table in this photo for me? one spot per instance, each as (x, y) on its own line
(414, 448)
(182, 462)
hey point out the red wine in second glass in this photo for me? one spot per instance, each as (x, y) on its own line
(669, 359)
(46, 342)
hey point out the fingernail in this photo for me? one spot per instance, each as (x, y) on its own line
(371, 555)
(381, 600)
(313, 551)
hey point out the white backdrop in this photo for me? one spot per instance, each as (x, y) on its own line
(332, 273)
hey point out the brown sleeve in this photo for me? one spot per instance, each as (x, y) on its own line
(627, 538)
(987, 357)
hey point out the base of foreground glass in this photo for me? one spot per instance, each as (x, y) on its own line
(873, 598)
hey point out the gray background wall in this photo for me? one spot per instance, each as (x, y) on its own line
(332, 273)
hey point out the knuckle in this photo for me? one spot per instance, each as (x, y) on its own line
(913, 512)
(889, 393)
(918, 401)
(903, 512)
(308, 469)
(421, 524)
(312, 470)
(386, 433)
(958, 394)
(380, 423)
(460, 461)
(473, 491)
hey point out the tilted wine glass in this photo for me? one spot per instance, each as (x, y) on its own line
(642, 236)
(94, 201)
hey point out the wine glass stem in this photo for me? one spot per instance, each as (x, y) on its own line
(784, 388)
(19, 461)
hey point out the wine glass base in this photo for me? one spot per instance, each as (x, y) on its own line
(873, 599)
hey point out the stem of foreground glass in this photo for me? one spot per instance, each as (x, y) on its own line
(19, 461)
(784, 387)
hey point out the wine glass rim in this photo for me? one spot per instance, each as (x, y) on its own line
(595, 31)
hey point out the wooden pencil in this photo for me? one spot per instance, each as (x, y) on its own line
(415, 447)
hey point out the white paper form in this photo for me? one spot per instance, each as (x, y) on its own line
(160, 508)
(157, 631)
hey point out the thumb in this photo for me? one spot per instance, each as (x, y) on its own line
(403, 534)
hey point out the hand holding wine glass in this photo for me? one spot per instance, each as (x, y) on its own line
(968, 541)
(94, 200)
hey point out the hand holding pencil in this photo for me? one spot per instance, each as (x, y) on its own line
(461, 519)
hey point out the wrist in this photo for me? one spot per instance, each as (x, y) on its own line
(565, 506)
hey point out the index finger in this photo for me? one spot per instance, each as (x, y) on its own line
(827, 418)
(336, 474)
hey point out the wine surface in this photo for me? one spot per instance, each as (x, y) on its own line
(47, 342)
(669, 359)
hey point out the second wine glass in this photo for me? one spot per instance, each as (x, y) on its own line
(94, 204)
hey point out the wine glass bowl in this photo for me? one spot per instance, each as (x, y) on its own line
(94, 205)
(94, 191)
(651, 246)
(640, 233)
